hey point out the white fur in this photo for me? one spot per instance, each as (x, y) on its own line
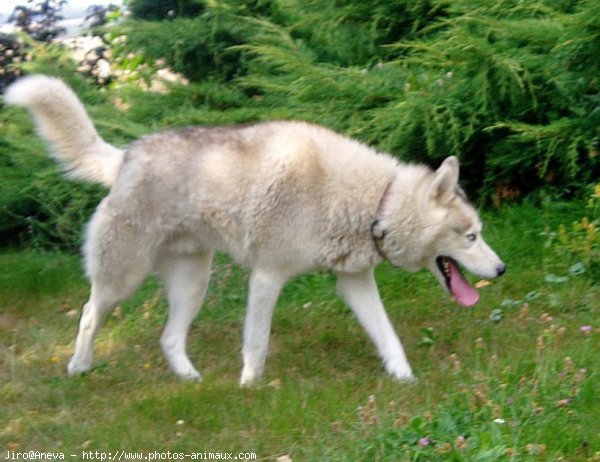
(62, 120)
(282, 198)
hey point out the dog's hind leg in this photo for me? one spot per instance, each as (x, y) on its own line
(359, 290)
(117, 259)
(103, 298)
(185, 278)
(262, 296)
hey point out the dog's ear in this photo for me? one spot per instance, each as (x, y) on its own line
(445, 181)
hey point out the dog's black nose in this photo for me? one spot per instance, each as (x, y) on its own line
(501, 269)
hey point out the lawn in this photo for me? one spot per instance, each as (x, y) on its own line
(514, 378)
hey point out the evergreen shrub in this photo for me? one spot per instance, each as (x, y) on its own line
(511, 87)
(199, 48)
(162, 9)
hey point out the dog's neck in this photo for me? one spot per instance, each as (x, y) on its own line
(378, 228)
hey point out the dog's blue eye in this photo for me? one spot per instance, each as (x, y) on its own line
(471, 237)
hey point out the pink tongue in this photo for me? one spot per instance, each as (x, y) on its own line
(460, 289)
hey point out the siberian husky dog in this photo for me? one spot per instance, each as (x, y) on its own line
(282, 198)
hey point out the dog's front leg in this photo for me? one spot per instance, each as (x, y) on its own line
(359, 290)
(262, 296)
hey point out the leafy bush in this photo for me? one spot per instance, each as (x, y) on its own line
(199, 48)
(62, 209)
(579, 243)
(495, 84)
(161, 9)
(99, 15)
(39, 20)
(509, 87)
(37, 205)
(346, 32)
(12, 54)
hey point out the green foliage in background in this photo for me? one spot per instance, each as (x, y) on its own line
(160, 9)
(496, 85)
(511, 87)
(200, 48)
(38, 205)
(579, 243)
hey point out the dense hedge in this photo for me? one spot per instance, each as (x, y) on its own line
(511, 87)
(160, 9)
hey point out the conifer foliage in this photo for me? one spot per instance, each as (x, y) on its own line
(511, 87)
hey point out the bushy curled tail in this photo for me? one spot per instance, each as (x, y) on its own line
(62, 121)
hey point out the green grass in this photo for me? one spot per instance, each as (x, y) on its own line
(493, 382)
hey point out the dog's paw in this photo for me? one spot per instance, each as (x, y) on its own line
(191, 376)
(78, 366)
(405, 378)
(403, 375)
(400, 371)
(249, 378)
(181, 366)
(187, 372)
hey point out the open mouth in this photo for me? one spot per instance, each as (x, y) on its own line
(461, 290)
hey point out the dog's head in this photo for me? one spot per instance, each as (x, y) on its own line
(445, 234)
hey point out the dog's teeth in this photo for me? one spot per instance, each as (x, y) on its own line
(446, 267)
